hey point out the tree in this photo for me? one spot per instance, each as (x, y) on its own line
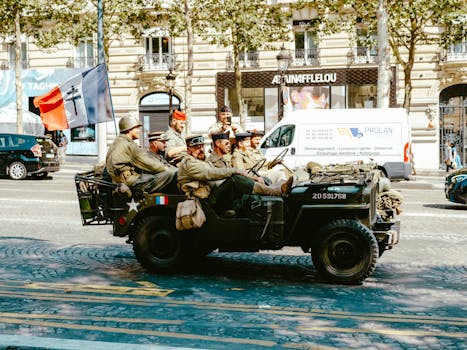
(78, 21)
(244, 26)
(185, 20)
(408, 25)
(18, 18)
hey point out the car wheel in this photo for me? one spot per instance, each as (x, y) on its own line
(17, 171)
(157, 244)
(346, 251)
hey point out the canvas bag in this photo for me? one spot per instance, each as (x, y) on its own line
(189, 215)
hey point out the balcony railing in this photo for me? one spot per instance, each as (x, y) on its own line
(363, 55)
(156, 61)
(249, 59)
(309, 57)
(455, 53)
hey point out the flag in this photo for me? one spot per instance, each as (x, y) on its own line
(82, 100)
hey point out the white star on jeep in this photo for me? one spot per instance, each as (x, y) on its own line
(132, 205)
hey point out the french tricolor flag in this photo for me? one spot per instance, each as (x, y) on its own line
(82, 100)
(162, 200)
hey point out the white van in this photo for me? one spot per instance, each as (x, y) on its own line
(332, 136)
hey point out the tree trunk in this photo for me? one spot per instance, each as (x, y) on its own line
(238, 87)
(189, 76)
(18, 82)
(384, 72)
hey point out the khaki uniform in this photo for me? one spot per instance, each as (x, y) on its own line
(220, 162)
(175, 139)
(242, 159)
(216, 128)
(223, 184)
(128, 163)
(163, 160)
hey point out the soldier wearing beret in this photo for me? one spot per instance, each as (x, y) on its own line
(254, 145)
(220, 156)
(128, 163)
(241, 156)
(222, 186)
(176, 146)
(224, 124)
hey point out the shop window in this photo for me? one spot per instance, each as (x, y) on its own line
(84, 54)
(84, 133)
(253, 103)
(309, 97)
(362, 96)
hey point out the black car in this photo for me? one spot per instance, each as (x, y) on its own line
(27, 155)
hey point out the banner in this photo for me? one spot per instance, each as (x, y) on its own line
(82, 100)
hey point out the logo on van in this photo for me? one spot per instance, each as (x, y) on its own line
(350, 132)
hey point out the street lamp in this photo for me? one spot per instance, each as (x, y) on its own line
(170, 79)
(283, 60)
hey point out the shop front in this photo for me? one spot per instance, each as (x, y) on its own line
(264, 105)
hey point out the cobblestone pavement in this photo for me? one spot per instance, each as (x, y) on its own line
(59, 280)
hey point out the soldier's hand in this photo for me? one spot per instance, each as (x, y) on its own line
(242, 172)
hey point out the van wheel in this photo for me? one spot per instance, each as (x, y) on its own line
(157, 244)
(17, 171)
(346, 251)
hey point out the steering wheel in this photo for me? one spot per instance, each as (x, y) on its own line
(278, 159)
(255, 168)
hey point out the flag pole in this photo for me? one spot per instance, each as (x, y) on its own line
(101, 127)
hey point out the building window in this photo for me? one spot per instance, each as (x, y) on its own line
(306, 45)
(157, 50)
(24, 56)
(84, 54)
(366, 50)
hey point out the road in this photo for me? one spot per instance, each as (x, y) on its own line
(66, 286)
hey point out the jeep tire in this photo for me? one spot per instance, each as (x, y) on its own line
(157, 244)
(346, 251)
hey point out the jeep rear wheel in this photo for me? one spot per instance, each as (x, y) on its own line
(17, 171)
(157, 244)
(346, 251)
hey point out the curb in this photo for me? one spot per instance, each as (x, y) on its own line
(36, 343)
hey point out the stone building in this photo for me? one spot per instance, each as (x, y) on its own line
(341, 74)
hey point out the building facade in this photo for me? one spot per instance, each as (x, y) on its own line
(325, 72)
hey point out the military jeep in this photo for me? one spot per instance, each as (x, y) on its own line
(337, 214)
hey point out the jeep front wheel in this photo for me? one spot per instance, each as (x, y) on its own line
(346, 251)
(157, 244)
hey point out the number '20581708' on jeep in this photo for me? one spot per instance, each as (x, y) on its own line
(342, 216)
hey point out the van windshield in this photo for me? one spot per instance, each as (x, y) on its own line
(281, 137)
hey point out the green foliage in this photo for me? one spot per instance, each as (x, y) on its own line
(246, 25)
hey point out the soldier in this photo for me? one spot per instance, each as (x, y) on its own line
(128, 163)
(255, 156)
(224, 124)
(241, 156)
(223, 186)
(254, 143)
(176, 146)
(157, 145)
(220, 156)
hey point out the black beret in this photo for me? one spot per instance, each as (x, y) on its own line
(225, 109)
(220, 136)
(242, 135)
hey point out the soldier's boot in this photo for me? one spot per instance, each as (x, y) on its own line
(281, 190)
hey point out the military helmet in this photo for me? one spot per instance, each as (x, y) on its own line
(127, 123)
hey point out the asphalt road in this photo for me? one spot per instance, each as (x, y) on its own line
(66, 286)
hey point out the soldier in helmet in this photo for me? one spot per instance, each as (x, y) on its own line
(128, 163)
